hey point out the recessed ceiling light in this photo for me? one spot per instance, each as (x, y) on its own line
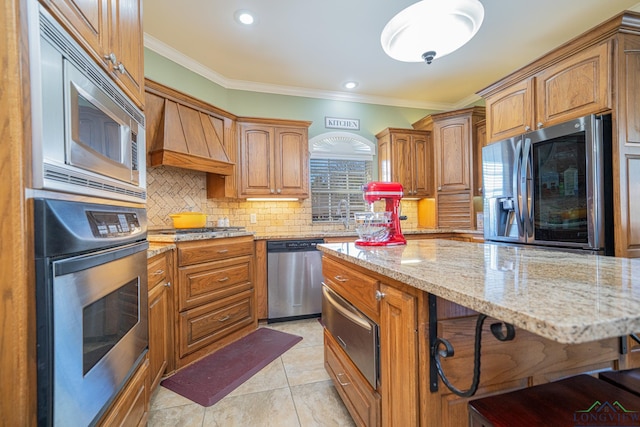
(244, 17)
(351, 85)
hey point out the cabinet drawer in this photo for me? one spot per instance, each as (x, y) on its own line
(211, 281)
(206, 324)
(131, 407)
(358, 288)
(157, 270)
(362, 401)
(213, 250)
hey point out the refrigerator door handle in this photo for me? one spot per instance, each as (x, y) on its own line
(517, 171)
(527, 184)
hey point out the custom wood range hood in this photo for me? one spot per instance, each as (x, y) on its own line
(187, 133)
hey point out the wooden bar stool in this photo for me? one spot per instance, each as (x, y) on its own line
(628, 380)
(577, 400)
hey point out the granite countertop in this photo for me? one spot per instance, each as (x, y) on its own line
(186, 237)
(159, 248)
(352, 233)
(563, 296)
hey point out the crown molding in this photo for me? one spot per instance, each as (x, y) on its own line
(190, 64)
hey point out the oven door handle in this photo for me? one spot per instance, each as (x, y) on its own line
(346, 309)
(82, 262)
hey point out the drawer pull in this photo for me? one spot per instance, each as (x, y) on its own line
(340, 279)
(224, 318)
(158, 272)
(341, 381)
(168, 284)
(223, 251)
(224, 279)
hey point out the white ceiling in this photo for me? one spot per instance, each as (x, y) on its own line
(311, 47)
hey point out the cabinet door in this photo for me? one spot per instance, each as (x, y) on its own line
(126, 43)
(88, 20)
(257, 169)
(402, 161)
(453, 149)
(574, 87)
(510, 111)
(480, 135)
(423, 166)
(398, 358)
(159, 333)
(291, 162)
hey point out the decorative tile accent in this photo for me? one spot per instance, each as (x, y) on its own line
(171, 190)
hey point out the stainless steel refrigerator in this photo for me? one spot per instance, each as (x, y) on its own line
(552, 187)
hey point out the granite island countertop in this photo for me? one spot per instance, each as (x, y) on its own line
(563, 296)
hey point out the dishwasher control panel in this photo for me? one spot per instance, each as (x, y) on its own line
(293, 245)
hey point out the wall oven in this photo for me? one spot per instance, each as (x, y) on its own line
(88, 136)
(552, 187)
(91, 306)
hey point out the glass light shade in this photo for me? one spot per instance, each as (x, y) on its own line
(439, 26)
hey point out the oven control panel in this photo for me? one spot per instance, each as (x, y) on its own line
(113, 224)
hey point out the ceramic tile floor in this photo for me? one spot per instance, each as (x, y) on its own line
(293, 391)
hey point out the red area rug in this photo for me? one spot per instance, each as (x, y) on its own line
(213, 377)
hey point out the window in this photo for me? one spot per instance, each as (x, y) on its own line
(340, 164)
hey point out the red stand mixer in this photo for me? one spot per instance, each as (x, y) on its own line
(391, 193)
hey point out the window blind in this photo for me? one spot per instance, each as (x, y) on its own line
(333, 180)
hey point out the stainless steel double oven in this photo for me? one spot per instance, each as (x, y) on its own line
(91, 306)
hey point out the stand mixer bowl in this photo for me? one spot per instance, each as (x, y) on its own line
(372, 226)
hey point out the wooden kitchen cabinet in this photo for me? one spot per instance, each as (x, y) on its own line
(480, 140)
(215, 296)
(455, 140)
(399, 357)
(361, 400)
(574, 87)
(160, 278)
(111, 33)
(274, 158)
(406, 156)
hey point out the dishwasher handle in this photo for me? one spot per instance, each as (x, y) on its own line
(346, 309)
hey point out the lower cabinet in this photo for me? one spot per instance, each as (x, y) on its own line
(361, 400)
(160, 279)
(131, 407)
(214, 297)
(398, 357)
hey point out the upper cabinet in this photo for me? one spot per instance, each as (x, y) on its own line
(406, 156)
(111, 32)
(274, 158)
(573, 87)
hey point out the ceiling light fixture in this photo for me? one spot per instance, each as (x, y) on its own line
(431, 29)
(351, 85)
(244, 17)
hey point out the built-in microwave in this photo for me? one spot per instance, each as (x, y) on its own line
(88, 136)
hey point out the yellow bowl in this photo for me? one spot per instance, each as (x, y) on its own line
(189, 220)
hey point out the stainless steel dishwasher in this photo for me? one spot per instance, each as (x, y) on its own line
(294, 279)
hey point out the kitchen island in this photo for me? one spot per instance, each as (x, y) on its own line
(553, 314)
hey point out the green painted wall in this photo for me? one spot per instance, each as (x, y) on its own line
(373, 118)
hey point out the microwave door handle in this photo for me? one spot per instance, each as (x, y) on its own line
(527, 181)
(517, 167)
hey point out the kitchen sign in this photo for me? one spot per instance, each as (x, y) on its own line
(338, 123)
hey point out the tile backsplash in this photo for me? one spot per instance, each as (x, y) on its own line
(171, 190)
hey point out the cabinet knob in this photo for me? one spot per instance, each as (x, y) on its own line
(111, 58)
(479, 189)
(527, 128)
(380, 295)
(167, 285)
(272, 191)
(121, 68)
(279, 191)
(540, 125)
(439, 188)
